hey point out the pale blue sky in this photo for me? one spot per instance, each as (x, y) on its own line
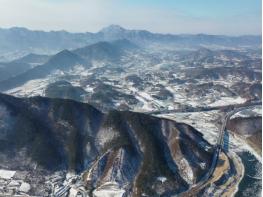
(231, 17)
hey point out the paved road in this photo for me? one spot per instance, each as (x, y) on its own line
(200, 109)
(218, 149)
(219, 145)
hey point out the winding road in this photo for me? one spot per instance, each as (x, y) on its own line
(218, 148)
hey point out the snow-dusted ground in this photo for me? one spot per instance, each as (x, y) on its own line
(109, 189)
(34, 87)
(251, 112)
(208, 123)
(150, 67)
(205, 122)
(7, 174)
(162, 179)
(223, 101)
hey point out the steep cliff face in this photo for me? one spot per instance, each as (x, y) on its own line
(143, 155)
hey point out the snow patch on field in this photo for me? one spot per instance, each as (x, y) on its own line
(109, 189)
(79, 70)
(250, 112)
(7, 174)
(206, 125)
(186, 171)
(34, 87)
(162, 179)
(24, 187)
(223, 101)
(106, 135)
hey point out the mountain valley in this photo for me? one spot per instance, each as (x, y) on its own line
(130, 113)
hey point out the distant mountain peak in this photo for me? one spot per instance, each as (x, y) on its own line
(112, 28)
(66, 58)
(64, 52)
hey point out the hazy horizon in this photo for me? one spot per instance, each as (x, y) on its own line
(235, 17)
(61, 30)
